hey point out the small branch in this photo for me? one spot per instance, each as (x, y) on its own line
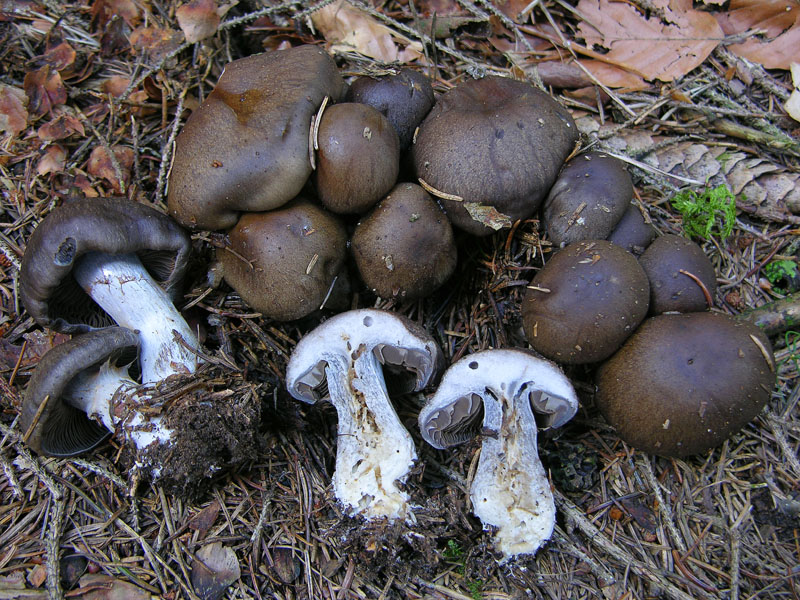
(775, 317)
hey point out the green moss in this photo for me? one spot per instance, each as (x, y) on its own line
(707, 214)
(782, 274)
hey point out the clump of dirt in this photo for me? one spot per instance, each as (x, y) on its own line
(215, 419)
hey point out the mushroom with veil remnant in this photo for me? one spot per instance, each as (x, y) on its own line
(343, 360)
(509, 395)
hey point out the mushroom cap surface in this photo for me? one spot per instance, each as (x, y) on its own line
(588, 199)
(283, 262)
(48, 290)
(62, 429)
(597, 296)
(405, 246)
(633, 232)
(493, 142)
(358, 158)
(246, 147)
(403, 98)
(683, 383)
(670, 289)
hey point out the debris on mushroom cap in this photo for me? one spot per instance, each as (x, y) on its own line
(358, 158)
(58, 418)
(683, 383)
(404, 248)
(682, 278)
(587, 200)
(246, 147)
(585, 302)
(284, 262)
(495, 142)
(505, 394)
(405, 98)
(343, 360)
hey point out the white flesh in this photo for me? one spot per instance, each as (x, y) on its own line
(125, 290)
(510, 490)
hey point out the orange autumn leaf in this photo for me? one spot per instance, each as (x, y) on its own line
(53, 161)
(101, 166)
(62, 126)
(44, 89)
(198, 19)
(651, 47)
(13, 114)
(778, 21)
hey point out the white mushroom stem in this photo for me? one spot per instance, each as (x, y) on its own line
(127, 292)
(343, 359)
(510, 490)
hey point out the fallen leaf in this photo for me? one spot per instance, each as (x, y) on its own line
(487, 215)
(653, 48)
(105, 587)
(44, 89)
(204, 519)
(349, 29)
(198, 19)
(53, 161)
(287, 568)
(37, 576)
(103, 11)
(780, 22)
(12, 587)
(157, 42)
(792, 105)
(60, 127)
(60, 56)
(214, 569)
(100, 165)
(13, 114)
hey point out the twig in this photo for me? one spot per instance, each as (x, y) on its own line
(775, 317)
(663, 507)
(52, 544)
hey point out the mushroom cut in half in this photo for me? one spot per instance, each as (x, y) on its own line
(246, 147)
(491, 149)
(509, 395)
(343, 360)
(95, 262)
(683, 383)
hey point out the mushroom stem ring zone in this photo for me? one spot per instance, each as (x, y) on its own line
(122, 287)
(343, 360)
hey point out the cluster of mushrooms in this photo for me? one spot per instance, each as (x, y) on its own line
(297, 167)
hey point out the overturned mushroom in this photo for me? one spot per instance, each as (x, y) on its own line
(94, 262)
(509, 395)
(343, 360)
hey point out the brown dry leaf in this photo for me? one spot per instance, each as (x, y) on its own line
(60, 56)
(13, 114)
(349, 29)
(53, 161)
(779, 20)
(488, 215)
(100, 165)
(215, 568)
(44, 89)
(198, 19)
(156, 41)
(204, 519)
(104, 587)
(104, 10)
(650, 47)
(62, 126)
(792, 105)
(37, 576)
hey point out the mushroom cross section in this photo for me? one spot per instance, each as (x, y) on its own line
(507, 395)
(343, 360)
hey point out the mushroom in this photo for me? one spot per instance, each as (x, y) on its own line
(633, 231)
(585, 302)
(284, 262)
(509, 395)
(683, 383)
(67, 405)
(682, 278)
(587, 200)
(94, 262)
(343, 360)
(404, 98)
(404, 248)
(246, 147)
(492, 145)
(358, 159)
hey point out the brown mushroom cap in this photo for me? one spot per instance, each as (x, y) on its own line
(633, 232)
(58, 428)
(405, 246)
(670, 288)
(108, 225)
(585, 302)
(358, 159)
(246, 147)
(404, 99)
(493, 142)
(683, 383)
(283, 262)
(587, 200)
